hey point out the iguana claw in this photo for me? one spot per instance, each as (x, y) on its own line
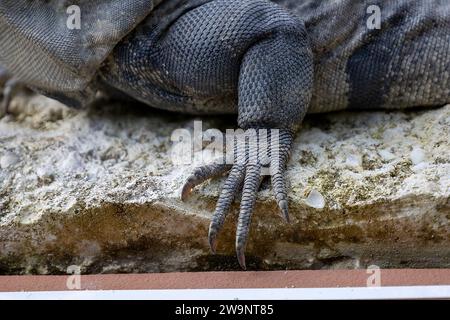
(245, 175)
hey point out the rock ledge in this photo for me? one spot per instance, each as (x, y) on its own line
(97, 188)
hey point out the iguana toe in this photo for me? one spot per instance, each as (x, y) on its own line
(249, 192)
(202, 174)
(245, 175)
(229, 192)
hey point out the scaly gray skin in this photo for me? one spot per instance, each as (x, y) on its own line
(269, 63)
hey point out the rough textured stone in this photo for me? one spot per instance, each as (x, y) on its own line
(97, 188)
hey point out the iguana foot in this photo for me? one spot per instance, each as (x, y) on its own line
(268, 152)
(9, 87)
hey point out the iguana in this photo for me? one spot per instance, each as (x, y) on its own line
(269, 62)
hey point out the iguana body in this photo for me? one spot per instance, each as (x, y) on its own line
(269, 63)
(404, 64)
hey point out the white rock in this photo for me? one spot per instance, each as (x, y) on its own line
(315, 200)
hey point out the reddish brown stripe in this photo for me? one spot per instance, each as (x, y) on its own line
(271, 279)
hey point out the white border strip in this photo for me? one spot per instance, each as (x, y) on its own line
(405, 292)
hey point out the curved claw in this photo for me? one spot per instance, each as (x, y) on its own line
(240, 252)
(283, 204)
(279, 190)
(229, 191)
(212, 239)
(200, 175)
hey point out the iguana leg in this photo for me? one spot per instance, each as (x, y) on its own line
(275, 85)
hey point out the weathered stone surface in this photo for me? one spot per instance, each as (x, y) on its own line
(97, 188)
